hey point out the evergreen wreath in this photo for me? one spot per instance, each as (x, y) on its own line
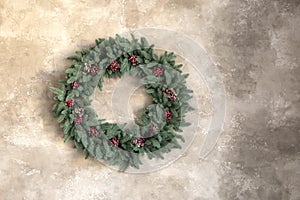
(154, 133)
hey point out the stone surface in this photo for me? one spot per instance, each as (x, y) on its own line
(256, 45)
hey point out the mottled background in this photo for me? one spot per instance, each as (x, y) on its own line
(256, 45)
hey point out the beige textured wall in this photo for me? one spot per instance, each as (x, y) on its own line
(256, 46)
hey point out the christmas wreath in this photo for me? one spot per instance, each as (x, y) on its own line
(154, 133)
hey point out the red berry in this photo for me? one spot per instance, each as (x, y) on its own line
(114, 141)
(78, 120)
(94, 70)
(70, 103)
(168, 114)
(74, 85)
(158, 71)
(139, 142)
(114, 66)
(93, 131)
(133, 60)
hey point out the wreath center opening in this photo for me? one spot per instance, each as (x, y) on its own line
(122, 100)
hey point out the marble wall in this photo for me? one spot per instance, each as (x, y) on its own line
(256, 46)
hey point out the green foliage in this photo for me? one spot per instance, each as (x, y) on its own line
(98, 143)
